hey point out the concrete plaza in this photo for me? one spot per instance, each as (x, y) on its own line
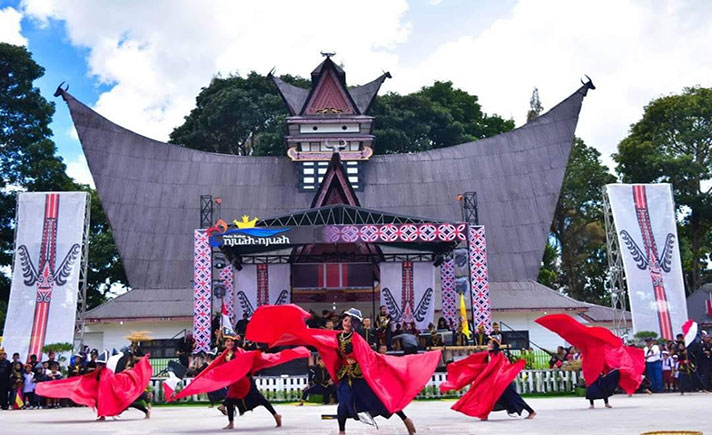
(562, 415)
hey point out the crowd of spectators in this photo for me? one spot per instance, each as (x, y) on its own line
(18, 379)
(673, 366)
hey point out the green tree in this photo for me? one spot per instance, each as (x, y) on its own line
(437, 116)
(535, 107)
(672, 143)
(246, 116)
(549, 271)
(578, 225)
(236, 115)
(28, 162)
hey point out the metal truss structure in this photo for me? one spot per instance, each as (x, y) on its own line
(341, 215)
(616, 281)
(80, 321)
(469, 208)
(206, 211)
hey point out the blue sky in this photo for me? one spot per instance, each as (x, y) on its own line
(141, 64)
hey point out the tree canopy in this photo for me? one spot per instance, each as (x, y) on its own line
(246, 116)
(28, 162)
(578, 225)
(236, 115)
(672, 143)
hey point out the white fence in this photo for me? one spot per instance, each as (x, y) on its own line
(289, 388)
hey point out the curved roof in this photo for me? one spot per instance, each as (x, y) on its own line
(150, 190)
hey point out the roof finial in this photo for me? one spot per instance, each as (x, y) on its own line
(328, 54)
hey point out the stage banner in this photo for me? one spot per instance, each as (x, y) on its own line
(227, 276)
(261, 284)
(45, 279)
(407, 292)
(479, 277)
(447, 292)
(644, 216)
(202, 278)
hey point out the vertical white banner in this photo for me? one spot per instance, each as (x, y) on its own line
(407, 292)
(259, 285)
(644, 217)
(245, 290)
(45, 277)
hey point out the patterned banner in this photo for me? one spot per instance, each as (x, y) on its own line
(479, 277)
(407, 292)
(448, 294)
(202, 278)
(644, 215)
(261, 284)
(45, 279)
(427, 232)
(227, 276)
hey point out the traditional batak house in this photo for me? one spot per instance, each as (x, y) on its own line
(402, 210)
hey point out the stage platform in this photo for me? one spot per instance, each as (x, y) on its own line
(562, 415)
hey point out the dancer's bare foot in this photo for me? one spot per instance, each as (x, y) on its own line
(278, 420)
(590, 406)
(608, 405)
(531, 415)
(230, 425)
(222, 409)
(342, 433)
(101, 419)
(409, 425)
(301, 403)
(148, 414)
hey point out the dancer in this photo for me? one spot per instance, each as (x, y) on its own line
(368, 384)
(110, 393)
(490, 375)
(601, 352)
(319, 383)
(234, 368)
(356, 399)
(603, 388)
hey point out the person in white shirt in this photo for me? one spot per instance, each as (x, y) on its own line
(667, 371)
(653, 365)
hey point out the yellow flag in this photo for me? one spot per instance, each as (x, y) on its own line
(463, 315)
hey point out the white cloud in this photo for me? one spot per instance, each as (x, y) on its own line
(72, 132)
(10, 30)
(634, 51)
(79, 170)
(157, 55)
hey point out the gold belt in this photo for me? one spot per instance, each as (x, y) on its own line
(350, 370)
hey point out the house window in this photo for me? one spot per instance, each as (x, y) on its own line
(311, 175)
(516, 339)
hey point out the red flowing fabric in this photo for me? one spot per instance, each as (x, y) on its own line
(111, 394)
(395, 380)
(463, 372)
(220, 374)
(82, 390)
(489, 380)
(600, 349)
(118, 391)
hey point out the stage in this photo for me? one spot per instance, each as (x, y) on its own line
(565, 415)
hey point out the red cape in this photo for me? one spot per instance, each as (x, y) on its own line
(600, 349)
(111, 394)
(489, 380)
(395, 380)
(220, 374)
(82, 390)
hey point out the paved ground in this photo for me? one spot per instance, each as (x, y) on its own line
(564, 415)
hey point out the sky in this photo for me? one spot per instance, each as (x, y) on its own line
(141, 64)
